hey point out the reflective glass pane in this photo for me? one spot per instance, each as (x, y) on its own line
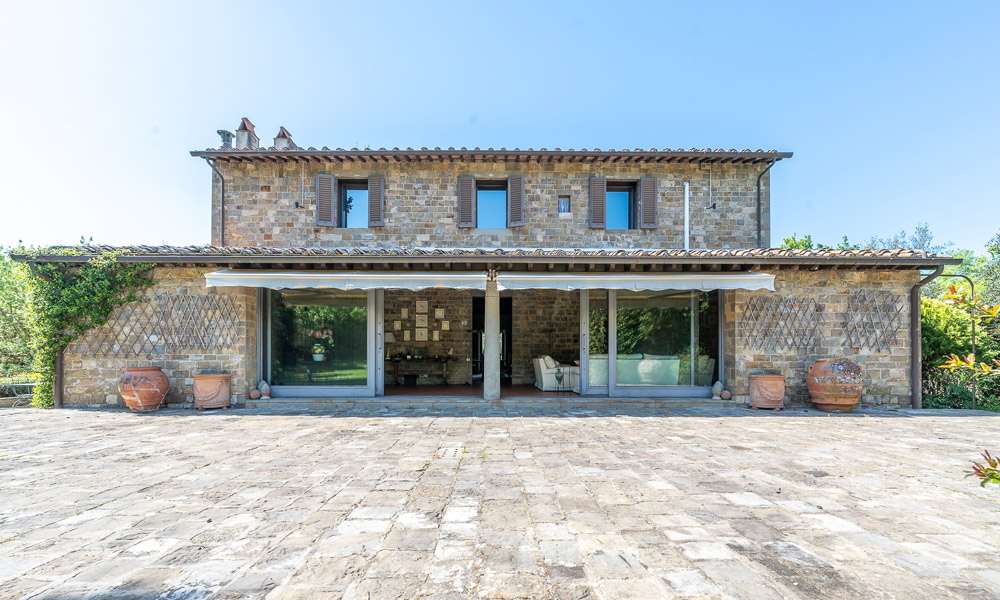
(618, 210)
(491, 208)
(354, 208)
(598, 336)
(319, 337)
(655, 331)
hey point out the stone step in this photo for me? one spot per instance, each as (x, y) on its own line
(474, 402)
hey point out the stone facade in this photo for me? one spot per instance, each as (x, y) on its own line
(92, 378)
(545, 322)
(421, 202)
(457, 307)
(886, 372)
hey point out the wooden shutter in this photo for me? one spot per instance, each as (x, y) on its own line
(376, 200)
(324, 201)
(515, 201)
(647, 203)
(466, 201)
(598, 202)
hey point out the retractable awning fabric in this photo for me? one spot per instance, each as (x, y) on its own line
(635, 282)
(349, 280)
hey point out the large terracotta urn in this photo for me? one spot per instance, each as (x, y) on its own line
(835, 385)
(144, 388)
(211, 391)
(767, 391)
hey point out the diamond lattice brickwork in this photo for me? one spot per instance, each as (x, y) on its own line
(782, 323)
(873, 318)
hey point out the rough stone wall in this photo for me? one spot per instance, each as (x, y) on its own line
(93, 380)
(421, 203)
(457, 306)
(545, 322)
(887, 372)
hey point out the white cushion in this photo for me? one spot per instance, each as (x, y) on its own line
(550, 363)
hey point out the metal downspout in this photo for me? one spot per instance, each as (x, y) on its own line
(916, 369)
(222, 202)
(760, 234)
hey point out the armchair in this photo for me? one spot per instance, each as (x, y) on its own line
(545, 375)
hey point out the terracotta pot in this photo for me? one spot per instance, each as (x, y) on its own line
(767, 391)
(835, 386)
(144, 388)
(211, 391)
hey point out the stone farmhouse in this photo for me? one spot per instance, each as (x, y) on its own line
(445, 277)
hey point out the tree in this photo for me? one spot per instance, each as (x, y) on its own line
(803, 243)
(15, 343)
(921, 239)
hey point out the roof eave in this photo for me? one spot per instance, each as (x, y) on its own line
(819, 262)
(496, 155)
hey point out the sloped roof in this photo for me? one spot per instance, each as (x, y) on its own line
(407, 155)
(912, 259)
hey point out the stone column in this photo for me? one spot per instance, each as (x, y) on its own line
(491, 354)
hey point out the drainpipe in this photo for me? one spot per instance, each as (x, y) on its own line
(916, 370)
(687, 215)
(222, 203)
(57, 384)
(760, 234)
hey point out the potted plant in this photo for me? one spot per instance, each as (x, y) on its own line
(324, 340)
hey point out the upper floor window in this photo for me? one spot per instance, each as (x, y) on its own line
(489, 203)
(623, 204)
(621, 209)
(350, 203)
(353, 203)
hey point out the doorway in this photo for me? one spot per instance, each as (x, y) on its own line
(478, 334)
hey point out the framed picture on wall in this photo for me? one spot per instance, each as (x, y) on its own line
(422, 306)
(406, 335)
(421, 320)
(438, 313)
(436, 336)
(445, 325)
(404, 313)
(421, 334)
(397, 325)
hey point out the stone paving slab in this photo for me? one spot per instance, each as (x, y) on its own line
(496, 503)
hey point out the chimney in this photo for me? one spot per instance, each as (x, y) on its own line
(283, 141)
(227, 138)
(246, 139)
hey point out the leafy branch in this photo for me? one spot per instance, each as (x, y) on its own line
(987, 316)
(988, 473)
(67, 300)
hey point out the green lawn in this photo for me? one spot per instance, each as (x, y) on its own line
(328, 372)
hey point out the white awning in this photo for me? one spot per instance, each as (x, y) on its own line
(345, 280)
(635, 281)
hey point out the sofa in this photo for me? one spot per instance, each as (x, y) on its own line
(545, 375)
(635, 369)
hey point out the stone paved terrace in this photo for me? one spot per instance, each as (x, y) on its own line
(685, 503)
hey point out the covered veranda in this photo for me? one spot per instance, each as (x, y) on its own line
(634, 324)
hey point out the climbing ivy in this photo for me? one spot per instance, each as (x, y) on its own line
(66, 300)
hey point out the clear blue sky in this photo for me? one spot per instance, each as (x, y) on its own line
(891, 108)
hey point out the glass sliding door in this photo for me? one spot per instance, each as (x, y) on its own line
(652, 343)
(320, 342)
(597, 350)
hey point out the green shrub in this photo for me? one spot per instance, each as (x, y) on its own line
(946, 330)
(15, 343)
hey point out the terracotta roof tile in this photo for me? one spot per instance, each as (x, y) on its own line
(749, 255)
